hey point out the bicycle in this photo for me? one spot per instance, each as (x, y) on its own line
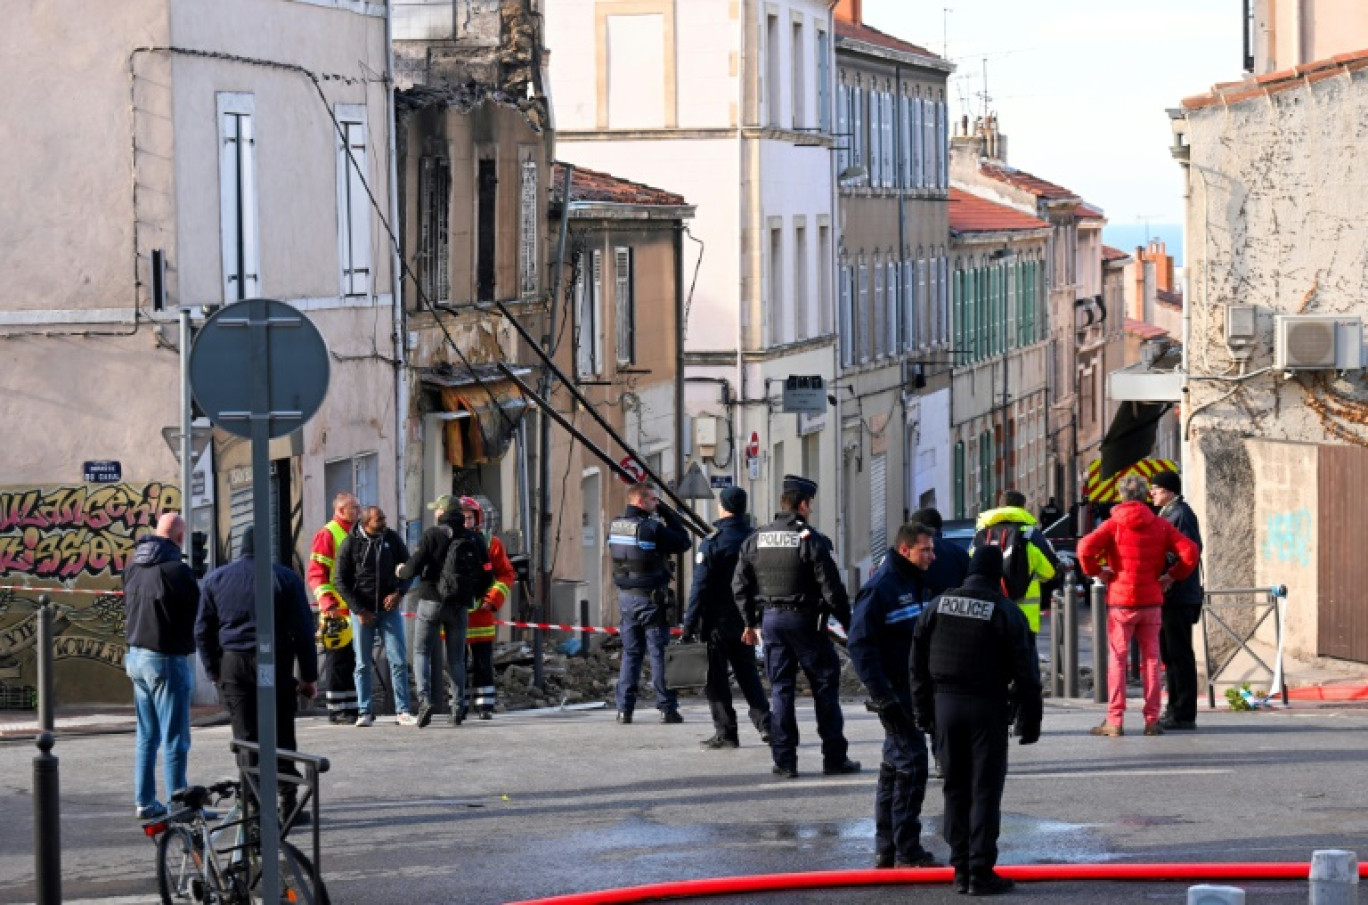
(201, 858)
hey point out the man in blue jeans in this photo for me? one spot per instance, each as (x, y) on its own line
(366, 579)
(161, 599)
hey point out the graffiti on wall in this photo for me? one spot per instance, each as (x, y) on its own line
(78, 531)
(1288, 537)
(78, 536)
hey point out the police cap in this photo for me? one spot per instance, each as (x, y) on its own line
(799, 484)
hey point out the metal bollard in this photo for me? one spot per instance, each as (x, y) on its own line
(1069, 631)
(1215, 895)
(584, 624)
(47, 833)
(1334, 877)
(1097, 599)
(1052, 677)
(46, 699)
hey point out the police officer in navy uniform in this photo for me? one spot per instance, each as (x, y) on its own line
(885, 613)
(712, 614)
(641, 546)
(786, 570)
(973, 657)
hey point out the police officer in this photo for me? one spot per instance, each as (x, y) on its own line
(712, 613)
(641, 545)
(786, 570)
(885, 613)
(969, 646)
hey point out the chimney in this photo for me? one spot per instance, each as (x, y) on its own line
(850, 11)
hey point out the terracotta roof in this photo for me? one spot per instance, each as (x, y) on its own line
(1144, 330)
(1174, 299)
(1113, 254)
(972, 214)
(1024, 180)
(591, 185)
(1088, 212)
(1274, 82)
(860, 32)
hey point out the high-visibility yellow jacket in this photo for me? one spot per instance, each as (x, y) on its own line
(1042, 561)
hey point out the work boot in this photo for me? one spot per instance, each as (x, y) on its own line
(671, 717)
(424, 713)
(920, 860)
(1110, 730)
(1171, 724)
(784, 772)
(961, 881)
(624, 716)
(991, 883)
(838, 769)
(718, 742)
(883, 860)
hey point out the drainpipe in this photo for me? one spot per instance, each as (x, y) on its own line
(681, 421)
(401, 384)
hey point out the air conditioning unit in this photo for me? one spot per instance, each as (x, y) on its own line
(1310, 342)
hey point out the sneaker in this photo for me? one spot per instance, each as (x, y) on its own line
(671, 717)
(365, 720)
(784, 772)
(1110, 730)
(1153, 728)
(624, 716)
(151, 812)
(989, 884)
(848, 766)
(424, 714)
(718, 742)
(406, 719)
(920, 860)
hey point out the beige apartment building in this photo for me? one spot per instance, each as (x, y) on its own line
(183, 156)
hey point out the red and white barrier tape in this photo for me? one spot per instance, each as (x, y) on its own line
(32, 590)
(565, 627)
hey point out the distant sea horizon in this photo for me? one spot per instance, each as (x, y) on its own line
(1128, 236)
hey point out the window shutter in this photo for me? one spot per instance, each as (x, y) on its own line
(928, 144)
(878, 340)
(626, 309)
(862, 316)
(905, 147)
(857, 124)
(844, 140)
(889, 179)
(892, 328)
(943, 146)
(915, 125)
(596, 336)
(847, 319)
(356, 264)
(909, 317)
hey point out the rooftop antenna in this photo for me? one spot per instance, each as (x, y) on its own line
(984, 95)
(945, 32)
(1145, 219)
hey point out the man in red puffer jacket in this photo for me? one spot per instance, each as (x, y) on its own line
(1128, 552)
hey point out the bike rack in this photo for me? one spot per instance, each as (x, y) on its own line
(312, 766)
(1214, 616)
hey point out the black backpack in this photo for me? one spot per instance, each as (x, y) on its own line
(1016, 558)
(466, 570)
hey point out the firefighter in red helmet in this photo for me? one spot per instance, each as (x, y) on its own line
(480, 632)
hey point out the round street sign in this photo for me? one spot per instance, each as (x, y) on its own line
(634, 467)
(255, 359)
(753, 447)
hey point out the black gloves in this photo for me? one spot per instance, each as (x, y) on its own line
(1027, 733)
(1027, 723)
(926, 721)
(894, 716)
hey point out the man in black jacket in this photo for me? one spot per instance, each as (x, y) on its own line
(786, 571)
(366, 577)
(972, 657)
(439, 622)
(1181, 611)
(951, 562)
(225, 634)
(161, 599)
(712, 613)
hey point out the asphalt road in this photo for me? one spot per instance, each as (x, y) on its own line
(537, 804)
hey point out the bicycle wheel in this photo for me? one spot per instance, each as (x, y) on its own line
(180, 866)
(296, 880)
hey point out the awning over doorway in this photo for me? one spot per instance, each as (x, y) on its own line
(1130, 437)
(487, 407)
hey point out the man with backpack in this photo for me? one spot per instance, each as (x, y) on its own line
(1027, 557)
(367, 564)
(453, 570)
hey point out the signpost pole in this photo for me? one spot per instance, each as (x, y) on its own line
(187, 464)
(260, 371)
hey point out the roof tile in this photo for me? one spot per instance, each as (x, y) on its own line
(1144, 330)
(856, 31)
(972, 214)
(1025, 181)
(1275, 82)
(591, 185)
(1113, 254)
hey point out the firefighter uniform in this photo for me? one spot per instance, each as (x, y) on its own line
(885, 613)
(641, 546)
(481, 628)
(786, 575)
(334, 618)
(970, 646)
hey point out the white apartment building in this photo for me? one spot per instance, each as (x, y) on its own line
(729, 103)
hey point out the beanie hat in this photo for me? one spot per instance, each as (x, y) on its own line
(1168, 480)
(733, 500)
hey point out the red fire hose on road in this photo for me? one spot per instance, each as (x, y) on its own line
(1037, 873)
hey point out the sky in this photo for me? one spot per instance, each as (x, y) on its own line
(1080, 87)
